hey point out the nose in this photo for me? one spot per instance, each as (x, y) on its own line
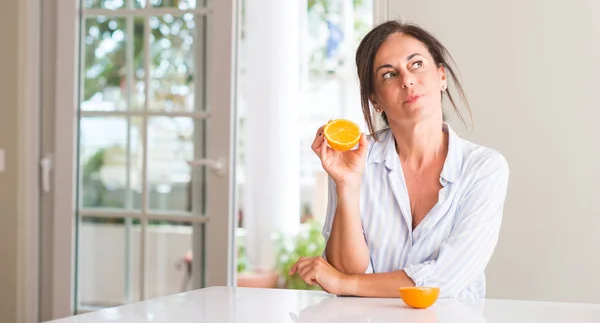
(407, 80)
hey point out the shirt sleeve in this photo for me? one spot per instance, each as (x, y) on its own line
(464, 255)
(330, 214)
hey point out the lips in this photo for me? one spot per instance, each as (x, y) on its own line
(413, 98)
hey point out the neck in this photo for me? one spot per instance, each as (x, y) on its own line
(420, 143)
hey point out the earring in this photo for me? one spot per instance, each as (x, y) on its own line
(443, 88)
(378, 110)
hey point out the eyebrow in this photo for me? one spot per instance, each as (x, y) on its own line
(408, 58)
(411, 56)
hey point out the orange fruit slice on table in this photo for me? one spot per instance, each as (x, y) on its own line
(342, 134)
(419, 297)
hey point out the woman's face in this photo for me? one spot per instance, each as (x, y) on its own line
(408, 83)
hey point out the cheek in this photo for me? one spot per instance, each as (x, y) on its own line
(433, 87)
(388, 92)
(433, 81)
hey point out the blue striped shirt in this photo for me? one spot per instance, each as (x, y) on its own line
(452, 245)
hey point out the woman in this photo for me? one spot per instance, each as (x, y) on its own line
(414, 204)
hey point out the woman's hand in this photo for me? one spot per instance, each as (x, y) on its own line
(344, 167)
(317, 270)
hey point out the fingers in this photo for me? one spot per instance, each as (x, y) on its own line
(323, 151)
(300, 263)
(318, 142)
(305, 268)
(307, 273)
(310, 272)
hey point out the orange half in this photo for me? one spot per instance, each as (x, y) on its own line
(342, 134)
(419, 297)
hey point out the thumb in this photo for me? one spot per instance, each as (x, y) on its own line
(363, 144)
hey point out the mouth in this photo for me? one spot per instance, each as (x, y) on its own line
(413, 98)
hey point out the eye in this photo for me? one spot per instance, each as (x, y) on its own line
(417, 64)
(388, 75)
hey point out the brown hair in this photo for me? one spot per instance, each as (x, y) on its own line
(365, 58)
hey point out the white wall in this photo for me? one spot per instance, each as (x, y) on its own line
(531, 70)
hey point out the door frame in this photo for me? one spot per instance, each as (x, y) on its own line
(57, 297)
(28, 30)
(64, 158)
(58, 133)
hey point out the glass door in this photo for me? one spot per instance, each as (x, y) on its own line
(296, 72)
(153, 147)
(144, 167)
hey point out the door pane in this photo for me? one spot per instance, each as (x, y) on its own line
(169, 257)
(171, 145)
(139, 4)
(106, 179)
(103, 4)
(109, 75)
(180, 4)
(172, 63)
(108, 262)
(104, 56)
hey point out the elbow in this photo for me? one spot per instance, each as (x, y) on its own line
(347, 265)
(458, 287)
(354, 269)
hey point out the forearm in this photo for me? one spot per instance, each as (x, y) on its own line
(376, 285)
(346, 248)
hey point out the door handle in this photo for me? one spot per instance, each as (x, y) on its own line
(216, 165)
(46, 164)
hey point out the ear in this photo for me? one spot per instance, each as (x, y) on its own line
(373, 100)
(443, 78)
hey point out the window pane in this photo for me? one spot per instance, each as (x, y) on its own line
(172, 63)
(180, 4)
(103, 153)
(109, 262)
(170, 147)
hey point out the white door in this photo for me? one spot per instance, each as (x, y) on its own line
(138, 135)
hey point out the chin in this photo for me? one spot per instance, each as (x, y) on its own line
(416, 113)
(415, 110)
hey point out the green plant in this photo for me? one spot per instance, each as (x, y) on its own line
(309, 242)
(243, 262)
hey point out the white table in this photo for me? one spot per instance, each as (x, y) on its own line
(222, 304)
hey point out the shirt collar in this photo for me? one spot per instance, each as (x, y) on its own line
(454, 159)
(385, 151)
